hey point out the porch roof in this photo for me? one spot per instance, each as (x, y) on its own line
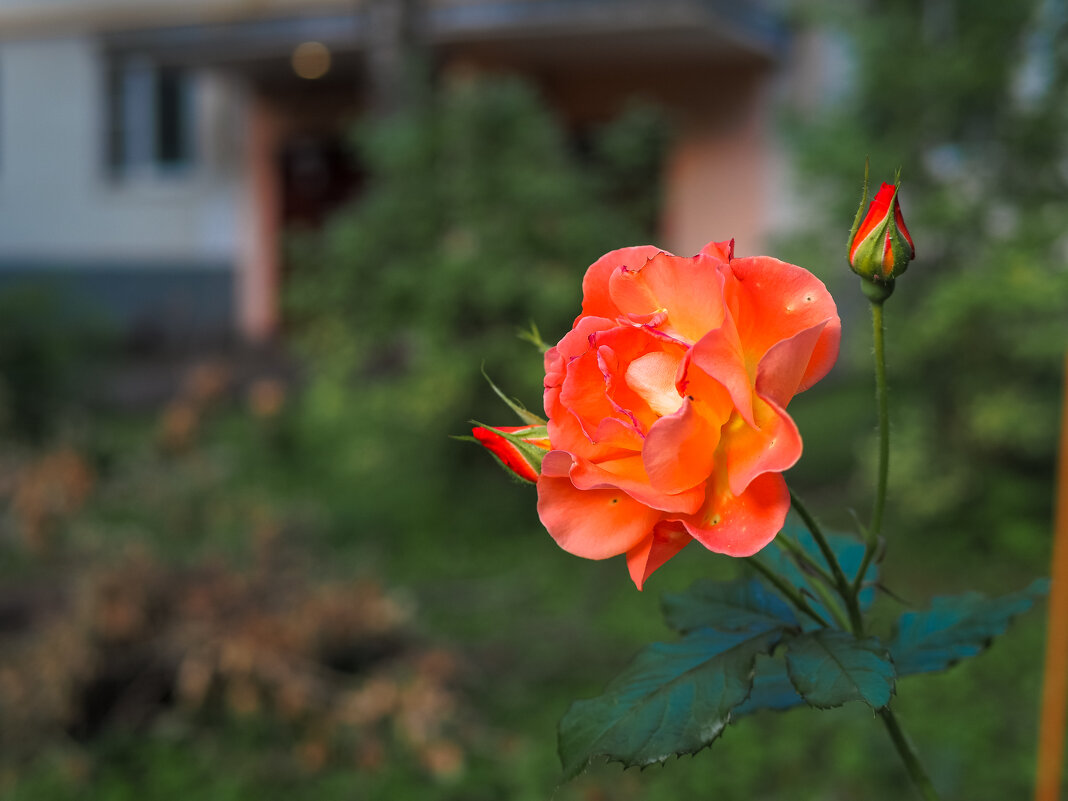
(528, 31)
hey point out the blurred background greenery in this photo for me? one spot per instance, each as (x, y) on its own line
(296, 584)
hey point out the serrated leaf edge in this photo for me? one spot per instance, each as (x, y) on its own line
(609, 759)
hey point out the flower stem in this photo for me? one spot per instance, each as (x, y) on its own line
(878, 336)
(832, 606)
(804, 560)
(908, 756)
(845, 589)
(881, 397)
(806, 563)
(796, 598)
(904, 748)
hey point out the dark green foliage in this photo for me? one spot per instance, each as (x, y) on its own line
(956, 628)
(772, 688)
(726, 606)
(675, 698)
(478, 220)
(45, 344)
(829, 668)
(848, 551)
(970, 100)
(629, 156)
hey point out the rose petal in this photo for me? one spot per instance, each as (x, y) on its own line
(680, 450)
(666, 540)
(628, 473)
(584, 393)
(566, 434)
(594, 524)
(772, 301)
(618, 350)
(723, 251)
(652, 377)
(784, 366)
(740, 525)
(773, 446)
(689, 290)
(596, 300)
(719, 356)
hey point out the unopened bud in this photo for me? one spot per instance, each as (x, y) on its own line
(880, 246)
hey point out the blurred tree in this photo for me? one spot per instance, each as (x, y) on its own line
(480, 219)
(970, 98)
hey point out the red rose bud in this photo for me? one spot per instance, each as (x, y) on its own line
(880, 247)
(518, 448)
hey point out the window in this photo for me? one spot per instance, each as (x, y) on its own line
(150, 118)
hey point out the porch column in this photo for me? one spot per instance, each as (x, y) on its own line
(717, 177)
(259, 259)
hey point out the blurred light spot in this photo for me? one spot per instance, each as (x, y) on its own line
(945, 162)
(311, 60)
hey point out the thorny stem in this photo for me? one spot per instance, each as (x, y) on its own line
(850, 591)
(875, 529)
(904, 748)
(845, 589)
(908, 755)
(849, 594)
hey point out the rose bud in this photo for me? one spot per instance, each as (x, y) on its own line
(880, 247)
(518, 448)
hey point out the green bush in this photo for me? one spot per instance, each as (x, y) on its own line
(970, 100)
(45, 345)
(479, 220)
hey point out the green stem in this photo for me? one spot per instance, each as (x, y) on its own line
(908, 756)
(881, 398)
(904, 748)
(876, 527)
(804, 560)
(806, 563)
(796, 598)
(845, 589)
(831, 604)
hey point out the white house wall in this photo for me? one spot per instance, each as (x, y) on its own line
(57, 198)
(156, 253)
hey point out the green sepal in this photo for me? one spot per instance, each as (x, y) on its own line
(533, 336)
(902, 250)
(877, 291)
(521, 411)
(861, 208)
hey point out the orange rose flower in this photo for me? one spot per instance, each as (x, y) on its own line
(667, 404)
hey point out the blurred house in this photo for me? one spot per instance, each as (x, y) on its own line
(151, 151)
